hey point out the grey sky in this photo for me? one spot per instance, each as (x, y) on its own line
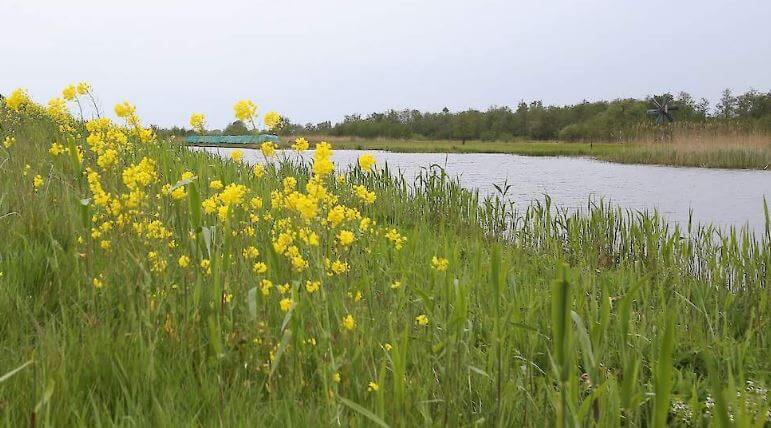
(318, 60)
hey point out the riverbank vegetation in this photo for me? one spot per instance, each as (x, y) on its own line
(621, 120)
(736, 133)
(142, 283)
(683, 148)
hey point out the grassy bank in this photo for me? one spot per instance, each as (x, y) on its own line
(706, 151)
(164, 287)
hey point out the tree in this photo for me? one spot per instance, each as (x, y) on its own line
(726, 108)
(236, 128)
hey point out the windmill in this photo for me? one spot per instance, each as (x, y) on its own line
(662, 109)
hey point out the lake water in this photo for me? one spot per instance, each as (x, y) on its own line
(721, 197)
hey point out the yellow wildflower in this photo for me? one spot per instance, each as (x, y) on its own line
(198, 122)
(56, 149)
(206, 266)
(300, 144)
(8, 142)
(183, 261)
(233, 194)
(339, 267)
(245, 110)
(124, 110)
(272, 119)
(345, 237)
(251, 252)
(215, 185)
(83, 88)
(372, 387)
(336, 377)
(336, 215)
(70, 92)
(222, 213)
(37, 182)
(17, 99)
(209, 205)
(366, 196)
(312, 286)
(265, 286)
(107, 159)
(57, 109)
(268, 149)
(366, 162)
(260, 268)
(178, 193)
(421, 320)
(322, 167)
(439, 263)
(258, 170)
(348, 322)
(397, 239)
(237, 155)
(299, 264)
(286, 304)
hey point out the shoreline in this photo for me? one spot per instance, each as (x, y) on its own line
(720, 157)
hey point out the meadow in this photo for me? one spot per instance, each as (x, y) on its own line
(144, 284)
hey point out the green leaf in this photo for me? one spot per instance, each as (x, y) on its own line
(8, 375)
(181, 183)
(49, 391)
(194, 201)
(363, 411)
(251, 301)
(663, 379)
(281, 348)
(586, 345)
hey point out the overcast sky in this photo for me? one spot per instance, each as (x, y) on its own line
(319, 60)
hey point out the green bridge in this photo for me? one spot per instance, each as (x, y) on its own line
(213, 140)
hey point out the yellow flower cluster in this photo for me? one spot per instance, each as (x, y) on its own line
(245, 110)
(37, 182)
(268, 149)
(300, 236)
(70, 92)
(322, 159)
(17, 99)
(365, 195)
(272, 119)
(300, 144)
(237, 155)
(366, 162)
(440, 263)
(198, 122)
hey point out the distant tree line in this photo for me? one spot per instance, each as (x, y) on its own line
(617, 120)
(602, 120)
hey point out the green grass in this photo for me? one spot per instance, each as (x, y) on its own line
(733, 156)
(543, 318)
(530, 148)
(750, 157)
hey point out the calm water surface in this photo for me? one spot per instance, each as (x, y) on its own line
(718, 196)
